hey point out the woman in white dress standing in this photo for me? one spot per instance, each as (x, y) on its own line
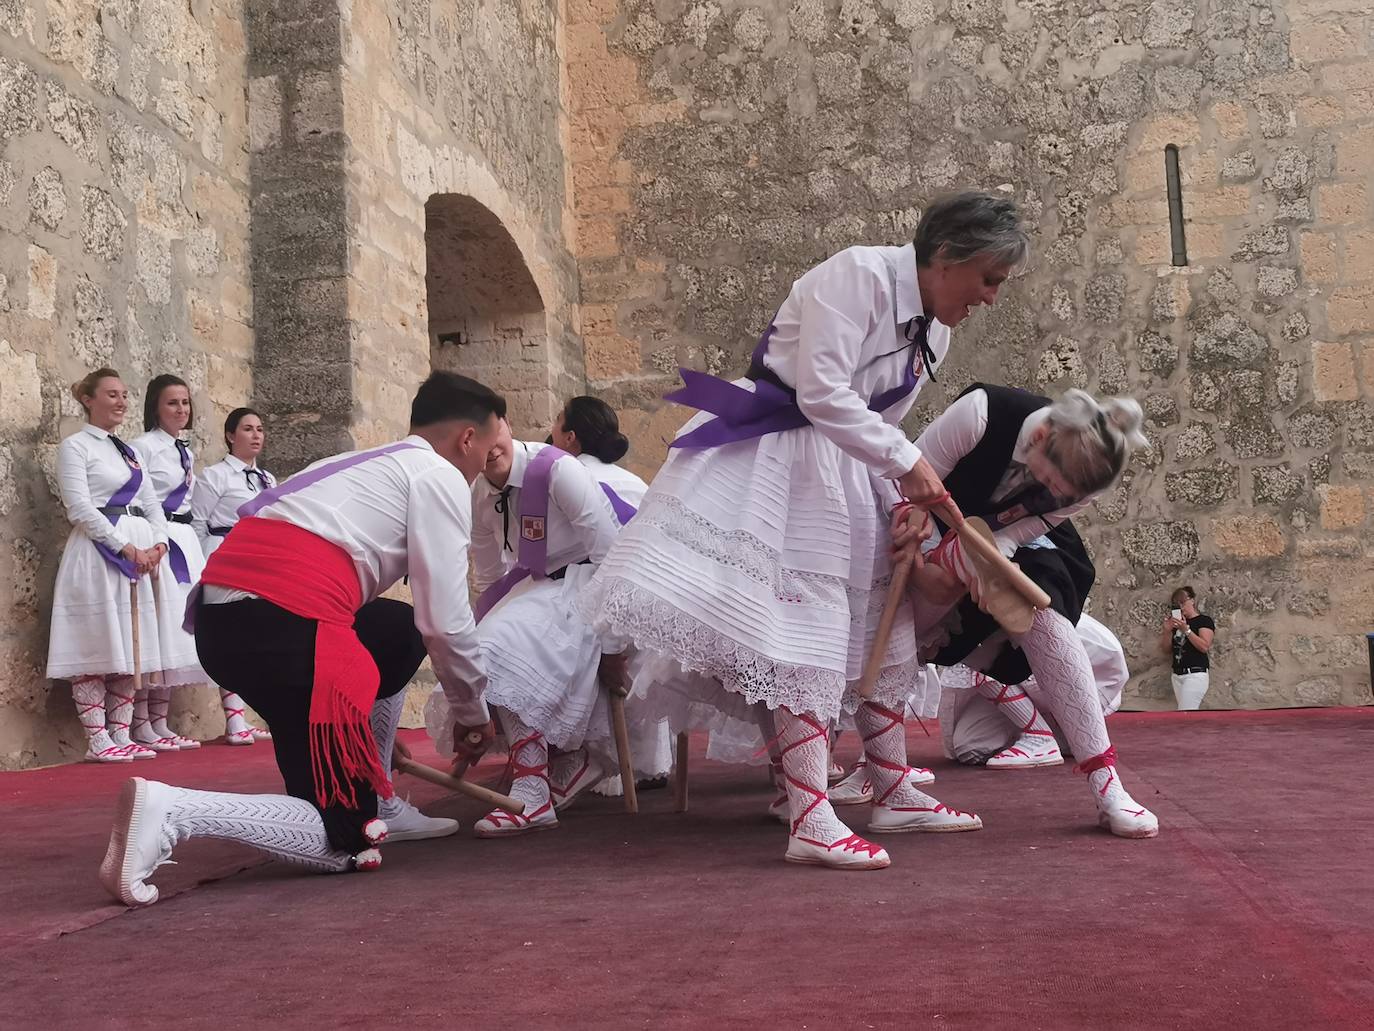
(589, 429)
(118, 536)
(167, 463)
(220, 490)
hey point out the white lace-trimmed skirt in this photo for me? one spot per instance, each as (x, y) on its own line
(542, 660)
(92, 622)
(754, 573)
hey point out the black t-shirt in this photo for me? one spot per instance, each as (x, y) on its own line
(1186, 657)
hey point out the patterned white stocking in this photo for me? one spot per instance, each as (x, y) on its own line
(1013, 703)
(529, 761)
(1064, 683)
(286, 828)
(89, 695)
(159, 701)
(119, 708)
(234, 721)
(884, 736)
(806, 762)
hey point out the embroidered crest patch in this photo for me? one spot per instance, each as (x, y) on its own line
(532, 528)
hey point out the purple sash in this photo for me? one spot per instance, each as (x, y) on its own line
(533, 556)
(298, 482)
(121, 499)
(743, 414)
(624, 511)
(170, 504)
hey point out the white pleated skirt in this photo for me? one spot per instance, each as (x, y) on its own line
(542, 661)
(755, 573)
(92, 615)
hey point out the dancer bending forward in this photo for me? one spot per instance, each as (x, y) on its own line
(1025, 466)
(757, 567)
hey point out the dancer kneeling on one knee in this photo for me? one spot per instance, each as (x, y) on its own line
(1025, 465)
(755, 573)
(288, 615)
(541, 523)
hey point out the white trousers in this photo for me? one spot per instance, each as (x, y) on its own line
(1189, 689)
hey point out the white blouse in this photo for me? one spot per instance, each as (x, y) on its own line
(957, 430)
(90, 470)
(161, 460)
(627, 486)
(838, 341)
(581, 523)
(220, 490)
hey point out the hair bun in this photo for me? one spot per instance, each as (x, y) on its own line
(613, 448)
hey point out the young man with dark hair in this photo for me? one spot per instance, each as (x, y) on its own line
(289, 615)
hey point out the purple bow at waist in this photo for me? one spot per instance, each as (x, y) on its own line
(771, 407)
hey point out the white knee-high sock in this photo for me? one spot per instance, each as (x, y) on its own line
(884, 736)
(119, 708)
(159, 701)
(284, 827)
(1013, 703)
(805, 748)
(1064, 679)
(234, 720)
(529, 763)
(89, 695)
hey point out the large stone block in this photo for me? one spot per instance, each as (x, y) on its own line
(1249, 537)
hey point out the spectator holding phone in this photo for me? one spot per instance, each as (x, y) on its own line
(1187, 637)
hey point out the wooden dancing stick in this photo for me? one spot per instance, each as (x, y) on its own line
(465, 787)
(622, 747)
(138, 659)
(901, 570)
(976, 536)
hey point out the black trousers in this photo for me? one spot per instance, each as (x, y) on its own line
(266, 655)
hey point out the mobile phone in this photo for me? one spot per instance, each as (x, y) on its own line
(1176, 613)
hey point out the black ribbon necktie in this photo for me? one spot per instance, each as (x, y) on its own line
(184, 453)
(125, 451)
(917, 331)
(503, 507)
(260, 485)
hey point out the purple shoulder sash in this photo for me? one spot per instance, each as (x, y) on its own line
(532, 557)
(121, 499)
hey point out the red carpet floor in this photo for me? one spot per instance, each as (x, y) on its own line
(1254, 908)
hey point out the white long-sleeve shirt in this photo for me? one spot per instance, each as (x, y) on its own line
(220, 490)
(827, 338)
(161, 461)
(404, 514)
(90, 470)
(957, 430)
(581, 523)
(627, 486)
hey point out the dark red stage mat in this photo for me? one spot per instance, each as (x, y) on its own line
(1253, 909)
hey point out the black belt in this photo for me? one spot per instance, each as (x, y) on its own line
(558, 574)
(219, 531)
(119, 510)
(1191, 669)
(179, 517)
(760, 373)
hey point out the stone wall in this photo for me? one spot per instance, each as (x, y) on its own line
(720, 148)
(123, 240)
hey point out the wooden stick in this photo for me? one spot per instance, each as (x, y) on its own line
(465, 787)
(622, 750)
(680, 774)
(901, 570)
(138, 659)
(989, 554)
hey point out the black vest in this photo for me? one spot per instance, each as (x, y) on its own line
(976, 476)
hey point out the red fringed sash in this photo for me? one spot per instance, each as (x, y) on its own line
(307, 575)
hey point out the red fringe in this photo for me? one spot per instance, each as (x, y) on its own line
(342, 748)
